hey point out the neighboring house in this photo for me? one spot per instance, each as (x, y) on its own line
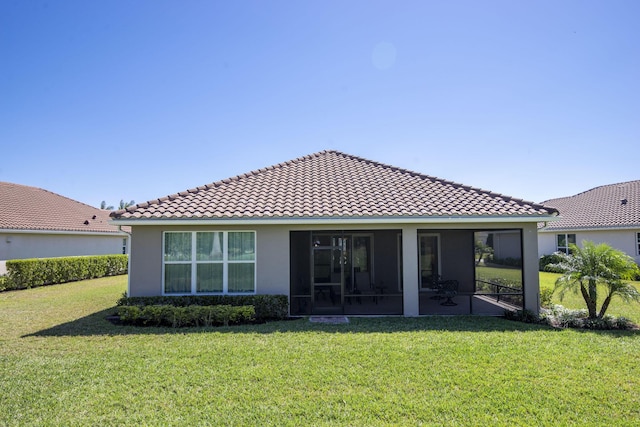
(36, 223)
(607, 214)
(338, 234)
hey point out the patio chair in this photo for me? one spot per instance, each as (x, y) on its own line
(448, 289)
(364, 287)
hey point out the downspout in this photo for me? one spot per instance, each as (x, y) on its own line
(128, 258)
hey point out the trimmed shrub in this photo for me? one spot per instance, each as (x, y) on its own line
(267, 307)
(29, 273)
(193, 315)
(545, 297)
(4, 285)
(545, 260)
(525, 316)
(561, 317)
(510, 262)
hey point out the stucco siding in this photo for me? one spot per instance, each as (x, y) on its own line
(40, 245)
(530, 267)
(273, 267)
(624, 240)
(272, 258)
(546, 243)
(145, 262)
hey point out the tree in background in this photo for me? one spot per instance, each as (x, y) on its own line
(482, 250)
(125, 205)
(592, 266)
(122, 205)
(103, 206)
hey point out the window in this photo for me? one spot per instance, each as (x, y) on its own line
(209, 262)
(638, 242)
(124, 246)
(563, 242)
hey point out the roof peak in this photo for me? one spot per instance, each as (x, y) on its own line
(334, 183)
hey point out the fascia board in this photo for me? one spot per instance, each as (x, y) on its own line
(336, 220)
(574, 229)
(63, 232)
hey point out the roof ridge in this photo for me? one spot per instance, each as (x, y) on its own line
(330, 155)
(441, 180)
(592, 189)
(215, 183)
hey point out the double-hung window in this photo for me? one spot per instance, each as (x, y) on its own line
(564, 241)
(218, 262)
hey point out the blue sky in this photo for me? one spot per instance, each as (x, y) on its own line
(110, 100)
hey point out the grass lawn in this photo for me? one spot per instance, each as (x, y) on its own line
(62, 363)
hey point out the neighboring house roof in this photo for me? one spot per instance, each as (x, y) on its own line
(24, 208)
(331, 185)
(608, 206)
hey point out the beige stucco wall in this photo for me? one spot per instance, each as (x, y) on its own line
(41, 245)
(272, 256)
(624, 240)
(530, 267)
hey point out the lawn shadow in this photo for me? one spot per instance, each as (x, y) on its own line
(97, 324)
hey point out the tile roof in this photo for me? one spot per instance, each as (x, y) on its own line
(331, 184)
(31, 208)
(608, 206)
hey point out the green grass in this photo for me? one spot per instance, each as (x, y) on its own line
(62, 363)
(513, 275)
(618, 307)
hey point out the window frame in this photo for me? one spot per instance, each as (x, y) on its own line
(194, 263)
(565, 249)
(638, 243)
(426, 286)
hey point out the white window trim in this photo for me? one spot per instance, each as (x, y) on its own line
(225, 263)
(566, 239)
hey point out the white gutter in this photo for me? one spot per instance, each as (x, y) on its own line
(335, 220)
(74, 233)
(611, 228)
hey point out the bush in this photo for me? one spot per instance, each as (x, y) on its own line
(29, 273)
(545, 297)
(510, 262)
(545, 260)
(561, 317)
(4, 285)
(267, 307)
(526, 316)
(193, 315)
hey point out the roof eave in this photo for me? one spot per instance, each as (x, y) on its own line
(466, 219)
(67, 232)
(593, 228)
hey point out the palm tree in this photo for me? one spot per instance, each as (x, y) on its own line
(103, 206)
(587, 268)
(125, 205)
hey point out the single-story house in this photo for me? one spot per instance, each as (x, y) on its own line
(606, 214)
(36, 223)
(338, 234)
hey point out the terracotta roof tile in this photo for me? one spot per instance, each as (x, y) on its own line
(331, 184)
(607, 206)
(30, 208)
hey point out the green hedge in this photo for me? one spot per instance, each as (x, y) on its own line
(267, 307)
(193, 315)
(545, 260)
(29, 273)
